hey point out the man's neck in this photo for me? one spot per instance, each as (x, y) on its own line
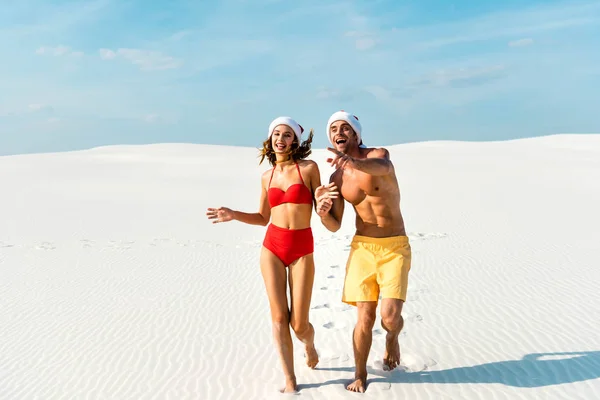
(354, 152)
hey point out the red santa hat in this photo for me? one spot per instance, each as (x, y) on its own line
(351, 119)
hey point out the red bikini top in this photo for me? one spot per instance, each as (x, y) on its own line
(297, 193)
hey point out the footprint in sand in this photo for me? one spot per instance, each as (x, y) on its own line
(5, 245)
(377, 332)
(416, 363)
(320, 306)
(158, 241)
(416, 318)
(334, 266)
(329, 325)
(87, 242)
(343, 307)
(331, 277)
(45, 246)
(426, 236)
(416, 294)
(120, 245)
(408, 363)
(324, 288)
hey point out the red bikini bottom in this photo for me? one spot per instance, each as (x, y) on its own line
(289, 244)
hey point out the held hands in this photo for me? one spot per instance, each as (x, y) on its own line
(341, 160)
(221, 214)
(324, 196)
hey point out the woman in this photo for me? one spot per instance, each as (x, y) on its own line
(287, 200)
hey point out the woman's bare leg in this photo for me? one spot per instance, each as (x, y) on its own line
(302, 274)
(275, 279)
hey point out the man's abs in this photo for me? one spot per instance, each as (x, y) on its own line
(376, 201)
(377, 219)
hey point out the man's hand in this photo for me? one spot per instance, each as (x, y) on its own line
(221, 214)
(340, 160)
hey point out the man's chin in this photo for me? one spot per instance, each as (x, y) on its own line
(341, 147)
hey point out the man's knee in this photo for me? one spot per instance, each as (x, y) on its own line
(391, 315)
(366, 316)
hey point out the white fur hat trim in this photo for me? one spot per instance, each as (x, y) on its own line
(296, 127)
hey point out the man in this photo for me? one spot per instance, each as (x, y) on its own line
(380, 255)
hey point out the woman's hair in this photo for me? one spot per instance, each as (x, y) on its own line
(297, 152)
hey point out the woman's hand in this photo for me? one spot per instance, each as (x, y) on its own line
(324, 196)
(327, 191)
(221, 214)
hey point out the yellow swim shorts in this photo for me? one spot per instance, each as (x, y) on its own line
(377, 266)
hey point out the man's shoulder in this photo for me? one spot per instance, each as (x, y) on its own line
(377, 152)
(336, 175)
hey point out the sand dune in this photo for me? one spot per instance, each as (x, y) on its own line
(113, 285)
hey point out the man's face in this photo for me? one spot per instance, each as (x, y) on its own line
(342, 135)
(282, 139)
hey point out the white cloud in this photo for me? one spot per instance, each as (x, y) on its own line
(521, 42)
(462, 77)
(149, 60)
(52, 51)
(523, 22)
(57, 51)
(38, 18)
(325, 93)
(363, 40)
(145, 59)
(180, 35)
(35, 107)
(107, 54)
(150, 118)
(365, 43)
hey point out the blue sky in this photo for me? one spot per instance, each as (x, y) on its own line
(79, 74)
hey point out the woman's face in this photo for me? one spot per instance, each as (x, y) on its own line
(282, 139)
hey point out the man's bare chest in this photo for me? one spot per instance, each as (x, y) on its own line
(354, 187)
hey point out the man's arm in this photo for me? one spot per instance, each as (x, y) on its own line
(377, 162)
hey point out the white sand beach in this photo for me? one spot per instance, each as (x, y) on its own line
(114, 284)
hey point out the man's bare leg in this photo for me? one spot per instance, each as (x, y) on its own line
(392, 322)
(302, 274)
(362, 339)
(275, 279)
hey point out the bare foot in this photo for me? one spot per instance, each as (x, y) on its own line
(290, 386)
(391, 358)
(359, 385)
(312, 357)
